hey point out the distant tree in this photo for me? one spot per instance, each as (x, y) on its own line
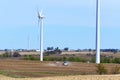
(89, 50)
(115, 51)
(66, 49)
(50, 48)
(16, 54)
(57, 50)
(78, 50)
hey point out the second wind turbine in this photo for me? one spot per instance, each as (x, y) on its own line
(40, 20)
(98, 31)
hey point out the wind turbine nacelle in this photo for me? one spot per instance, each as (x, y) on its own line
(40, 16)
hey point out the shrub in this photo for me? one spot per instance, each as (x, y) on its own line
(16, 54)
(29, 57)
(4, 55)
(64, 58)
(101, 69)
(26, 57)
(116, 60)
(116, 70)
(7, 54)
(93, 60)
(105, 60)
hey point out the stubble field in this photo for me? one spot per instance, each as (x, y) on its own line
(36, 70)
(15, 69)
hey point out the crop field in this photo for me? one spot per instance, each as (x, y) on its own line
(19, 69)
(24, 68)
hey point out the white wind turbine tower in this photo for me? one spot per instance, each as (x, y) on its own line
(97, 31)
(40, 20)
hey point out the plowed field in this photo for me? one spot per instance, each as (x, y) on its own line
(24, 68)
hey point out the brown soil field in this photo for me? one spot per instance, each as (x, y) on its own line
(24, 68)
(36, 70)
(15, 69)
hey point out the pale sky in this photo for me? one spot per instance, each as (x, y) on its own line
(67, 23)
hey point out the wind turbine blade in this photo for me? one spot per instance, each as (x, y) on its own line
(38, 13)
(41, 11)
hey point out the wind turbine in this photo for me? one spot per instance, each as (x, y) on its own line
(97, 31)
(40, 20)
